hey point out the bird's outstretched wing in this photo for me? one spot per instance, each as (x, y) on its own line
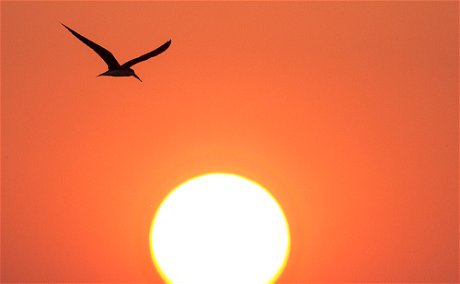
(106, 55)
(147, 55)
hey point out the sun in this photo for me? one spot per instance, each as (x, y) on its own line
(219, 228)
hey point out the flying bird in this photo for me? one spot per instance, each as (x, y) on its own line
(115, 69)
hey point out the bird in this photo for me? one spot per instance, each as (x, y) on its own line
(115, 69)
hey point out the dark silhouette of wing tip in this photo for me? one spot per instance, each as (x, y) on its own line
(167, 44)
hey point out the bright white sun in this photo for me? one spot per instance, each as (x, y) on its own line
(219, 228)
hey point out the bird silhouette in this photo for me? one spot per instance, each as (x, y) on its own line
(115, 69)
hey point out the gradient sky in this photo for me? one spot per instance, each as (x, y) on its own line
(346, 112)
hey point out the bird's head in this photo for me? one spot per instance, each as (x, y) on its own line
(134, 74)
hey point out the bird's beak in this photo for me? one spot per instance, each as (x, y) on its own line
(137, 77)
(102, 74)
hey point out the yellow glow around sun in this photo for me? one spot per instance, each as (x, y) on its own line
(219, 228)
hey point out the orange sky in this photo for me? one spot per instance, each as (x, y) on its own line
(346, 112)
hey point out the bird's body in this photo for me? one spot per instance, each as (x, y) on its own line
(119, 72)
(115, 69)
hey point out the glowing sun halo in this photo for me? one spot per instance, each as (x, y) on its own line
(219, 228)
